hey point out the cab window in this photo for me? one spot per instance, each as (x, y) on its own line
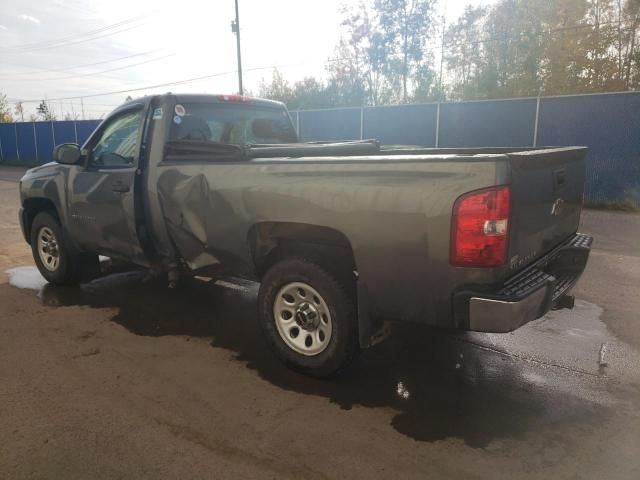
(117, 145)
(236, 124)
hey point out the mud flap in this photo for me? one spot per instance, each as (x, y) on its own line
(370, 331)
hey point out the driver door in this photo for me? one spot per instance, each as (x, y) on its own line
(101, 193)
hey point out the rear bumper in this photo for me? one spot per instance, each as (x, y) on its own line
(527, 295)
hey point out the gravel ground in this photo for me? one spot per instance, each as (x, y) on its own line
(122, 378)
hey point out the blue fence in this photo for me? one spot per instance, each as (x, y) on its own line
(32, 143)
(609, 124)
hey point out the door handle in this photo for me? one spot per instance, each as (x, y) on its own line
(119, 187)
(559, 178)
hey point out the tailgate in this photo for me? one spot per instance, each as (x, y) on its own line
(546, 201)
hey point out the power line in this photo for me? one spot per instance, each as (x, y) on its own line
(71, 39)
(148, 87)
(84, 40)
(123, 67)
(66, 69)
(102, 104)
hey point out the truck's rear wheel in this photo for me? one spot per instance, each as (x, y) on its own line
(308, 315)
(57, 262)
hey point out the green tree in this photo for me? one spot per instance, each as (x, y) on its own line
(44, 112)
(309, 93)
(5, 110)
(599, 45)
(364, 47)
(346, 86)
(513, 48)
(629, 39)
(564, 61)
(278, 89)
(524, 48)
(406, 26)
(463, 52)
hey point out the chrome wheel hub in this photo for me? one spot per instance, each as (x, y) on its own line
(307, 316)
(302, 318)
(48, 249)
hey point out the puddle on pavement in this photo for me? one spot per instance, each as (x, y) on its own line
(480, 388)
(26, 277)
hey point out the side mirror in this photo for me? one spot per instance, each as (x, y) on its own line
(67, 153)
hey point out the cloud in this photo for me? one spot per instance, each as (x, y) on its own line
(2, 27)
(29, 18)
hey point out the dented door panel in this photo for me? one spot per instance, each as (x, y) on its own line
(395, 214)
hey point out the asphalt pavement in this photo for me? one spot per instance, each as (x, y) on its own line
(124, 378)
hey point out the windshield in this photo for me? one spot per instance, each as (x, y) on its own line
(235, 123)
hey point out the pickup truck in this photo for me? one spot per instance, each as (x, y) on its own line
(344, 238)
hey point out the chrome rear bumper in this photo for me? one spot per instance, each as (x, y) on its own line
(527, 295)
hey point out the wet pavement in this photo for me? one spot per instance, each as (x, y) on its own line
(125, 378)
(481, 388)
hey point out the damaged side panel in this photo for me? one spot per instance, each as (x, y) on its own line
(382, 207)
(199, 221)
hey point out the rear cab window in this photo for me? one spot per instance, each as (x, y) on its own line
(232, 123)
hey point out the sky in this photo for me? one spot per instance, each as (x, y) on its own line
(57, 49)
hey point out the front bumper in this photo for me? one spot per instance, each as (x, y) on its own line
(23, 227)
(527, 295)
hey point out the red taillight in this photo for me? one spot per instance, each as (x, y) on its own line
(233, 98)
(480, 228)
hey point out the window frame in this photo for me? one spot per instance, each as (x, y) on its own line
(235, 107)
(97, 136)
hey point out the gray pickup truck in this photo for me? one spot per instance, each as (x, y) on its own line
(344, 238)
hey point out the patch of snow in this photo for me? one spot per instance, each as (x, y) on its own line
(26, 277)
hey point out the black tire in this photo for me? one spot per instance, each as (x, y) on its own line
(339, 296)
(72, 267)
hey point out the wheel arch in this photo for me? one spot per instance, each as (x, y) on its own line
(270, 242)
(31, 207)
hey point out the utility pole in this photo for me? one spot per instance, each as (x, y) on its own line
(235, 28)
(82, 107)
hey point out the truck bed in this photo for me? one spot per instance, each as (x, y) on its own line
(392, 204)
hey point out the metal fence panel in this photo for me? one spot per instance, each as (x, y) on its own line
(294, 120)
(502, 123)
(8, 142)
(402, 124)
(64, 132)
(610, 126)
(85, 128)
(26, 143)
(45, 143)
(330, 125)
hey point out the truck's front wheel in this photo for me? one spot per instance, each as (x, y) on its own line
(309, 317)
(57, 262)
